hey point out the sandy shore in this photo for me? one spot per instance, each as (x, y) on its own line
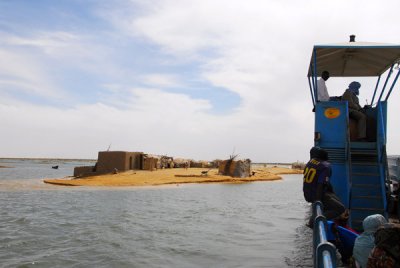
(171, 176)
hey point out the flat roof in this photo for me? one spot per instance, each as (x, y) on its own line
(354, 59)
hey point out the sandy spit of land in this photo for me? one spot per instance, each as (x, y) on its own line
(171, 176)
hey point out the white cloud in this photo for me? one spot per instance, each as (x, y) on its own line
(21, 72)
(259, 50)
(64, 50)
(52, 43)
(161, 80)
(156, 122)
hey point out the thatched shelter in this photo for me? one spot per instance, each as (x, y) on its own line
(200, 164)
(237, 169)
(166, 162)
(149, 162)
(298, 165)
(181, 163)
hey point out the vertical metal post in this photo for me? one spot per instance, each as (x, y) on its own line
(315, 74)
(394, 82)
(311, 91)
(384, 86)
(376, 88)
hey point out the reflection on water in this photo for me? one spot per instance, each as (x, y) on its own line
(257, 224)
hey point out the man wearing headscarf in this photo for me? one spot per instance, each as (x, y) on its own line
(366, 241)
(355, 110)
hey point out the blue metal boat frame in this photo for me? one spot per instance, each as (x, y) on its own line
(360, 175)
(324, 251)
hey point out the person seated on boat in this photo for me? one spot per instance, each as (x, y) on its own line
(322, 91)
(316, 185)
(364, 244)
(345, 250)
(386, 253)
(343, 221)
(355, 110)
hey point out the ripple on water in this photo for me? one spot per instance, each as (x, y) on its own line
(250, 225)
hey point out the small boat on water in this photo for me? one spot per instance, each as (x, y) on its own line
(54, 167)
(361, 176)
(394, 176)
(394, 167)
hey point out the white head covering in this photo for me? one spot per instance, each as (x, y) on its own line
(372, 223)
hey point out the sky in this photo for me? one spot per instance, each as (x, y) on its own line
(193, 79)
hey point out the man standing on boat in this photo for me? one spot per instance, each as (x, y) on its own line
(316, 185)
(322, 93)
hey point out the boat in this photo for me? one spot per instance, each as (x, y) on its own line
(394, 167)
(360, 174)
(394, 176)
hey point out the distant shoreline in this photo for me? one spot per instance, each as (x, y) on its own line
(47, 159)
(5, 167)
(94, 160)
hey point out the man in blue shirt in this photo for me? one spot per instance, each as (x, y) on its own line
(316, 185)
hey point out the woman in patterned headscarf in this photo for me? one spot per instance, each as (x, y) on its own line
(386, 253)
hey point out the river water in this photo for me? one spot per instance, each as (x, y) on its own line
(258, 224)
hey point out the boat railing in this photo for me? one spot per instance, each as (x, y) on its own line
(324, 252)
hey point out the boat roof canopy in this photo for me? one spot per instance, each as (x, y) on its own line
(354, 59)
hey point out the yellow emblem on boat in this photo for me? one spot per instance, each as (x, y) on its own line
(332, 113)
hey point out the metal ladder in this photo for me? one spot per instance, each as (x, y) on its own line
(367, 195)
